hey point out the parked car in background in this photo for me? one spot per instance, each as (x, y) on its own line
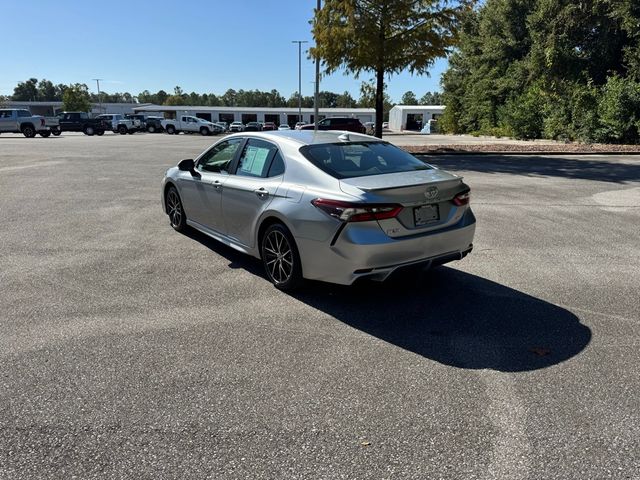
(284, 126)
(269, 126)
(13, 120)
(81, 122)
(189, 124)
(356, 206)
(338, 123)
(123, 124)
(154, 124)
(253, 127)
(223, 125)
(385, 125)
(299, 125)
(133, 123)
(112, 119)
(236, 127)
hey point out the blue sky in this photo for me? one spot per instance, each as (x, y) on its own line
(202, 46)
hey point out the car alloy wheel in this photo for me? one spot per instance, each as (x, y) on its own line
(280, 258)
(175, 211)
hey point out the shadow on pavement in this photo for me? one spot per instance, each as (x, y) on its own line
(560, 166)
(446, 315)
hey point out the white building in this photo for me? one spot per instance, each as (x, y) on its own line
(276, 115)
(413, 117)
(48, 109)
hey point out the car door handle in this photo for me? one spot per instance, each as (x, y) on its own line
(261, 192)
(217, 184)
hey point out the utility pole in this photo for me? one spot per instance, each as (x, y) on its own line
(99, 96)
(316, 91)
(299, 42)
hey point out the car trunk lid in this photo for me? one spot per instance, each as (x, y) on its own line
(425, 195)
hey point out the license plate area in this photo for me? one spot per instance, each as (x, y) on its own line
(426, 214)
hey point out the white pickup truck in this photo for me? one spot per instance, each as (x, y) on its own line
(14, 120)
(189, 124)
(122, 123)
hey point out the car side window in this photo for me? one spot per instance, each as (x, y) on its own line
(277, 166)
(256, 158)
(325, 123)
(219, 157)
(23, 113)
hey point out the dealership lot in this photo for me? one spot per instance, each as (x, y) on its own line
(128, 349)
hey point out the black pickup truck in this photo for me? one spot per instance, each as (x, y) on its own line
(81, 122)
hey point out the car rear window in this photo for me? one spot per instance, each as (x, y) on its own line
(361, 159)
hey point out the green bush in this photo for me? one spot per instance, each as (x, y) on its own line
(523, 115)
(619, 111)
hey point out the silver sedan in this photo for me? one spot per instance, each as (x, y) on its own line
(330, 206)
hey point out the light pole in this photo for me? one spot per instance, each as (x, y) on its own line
(99, 97)
(299, 42)
(316, 90)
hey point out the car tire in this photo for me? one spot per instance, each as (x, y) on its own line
(151, 129)
(204, 131)
(173, 205)
(45, 134)
(28, 131)
(88, 130)
(56, 131)
(280, 258)
(99, 132)
(122, 129)
(171, 130)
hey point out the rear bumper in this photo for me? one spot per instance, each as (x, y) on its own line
(368, 252)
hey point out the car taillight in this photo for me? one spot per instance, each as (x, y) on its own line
(356, 212)
(462, 198)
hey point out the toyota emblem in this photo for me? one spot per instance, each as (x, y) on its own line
(431, 193)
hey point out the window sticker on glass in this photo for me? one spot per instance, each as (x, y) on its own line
(254, 160)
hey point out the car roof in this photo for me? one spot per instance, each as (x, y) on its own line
(309, 137)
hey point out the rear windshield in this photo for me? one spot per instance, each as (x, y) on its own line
(361, 159)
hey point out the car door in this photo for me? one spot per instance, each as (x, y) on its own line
(8, 121)
(250, 189)
(201, 190)
(324, 124)
(66, 123)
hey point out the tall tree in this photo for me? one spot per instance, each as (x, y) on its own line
(385, 37)
(76, 98)
(46, 91)
(26, 91)
(345, 101)
(327, 99)
(368, 99)
(409, 98)
(553, 68)
(431, 98)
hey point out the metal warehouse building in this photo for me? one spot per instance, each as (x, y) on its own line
(413, 117)
(255, 114)
(51, 108)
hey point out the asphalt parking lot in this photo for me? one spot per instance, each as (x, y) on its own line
(131, 351)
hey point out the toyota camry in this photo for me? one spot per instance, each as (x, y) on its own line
(330, 206)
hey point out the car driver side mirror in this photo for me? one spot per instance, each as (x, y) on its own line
(188, 165)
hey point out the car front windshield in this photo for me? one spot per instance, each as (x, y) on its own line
(361, 159)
